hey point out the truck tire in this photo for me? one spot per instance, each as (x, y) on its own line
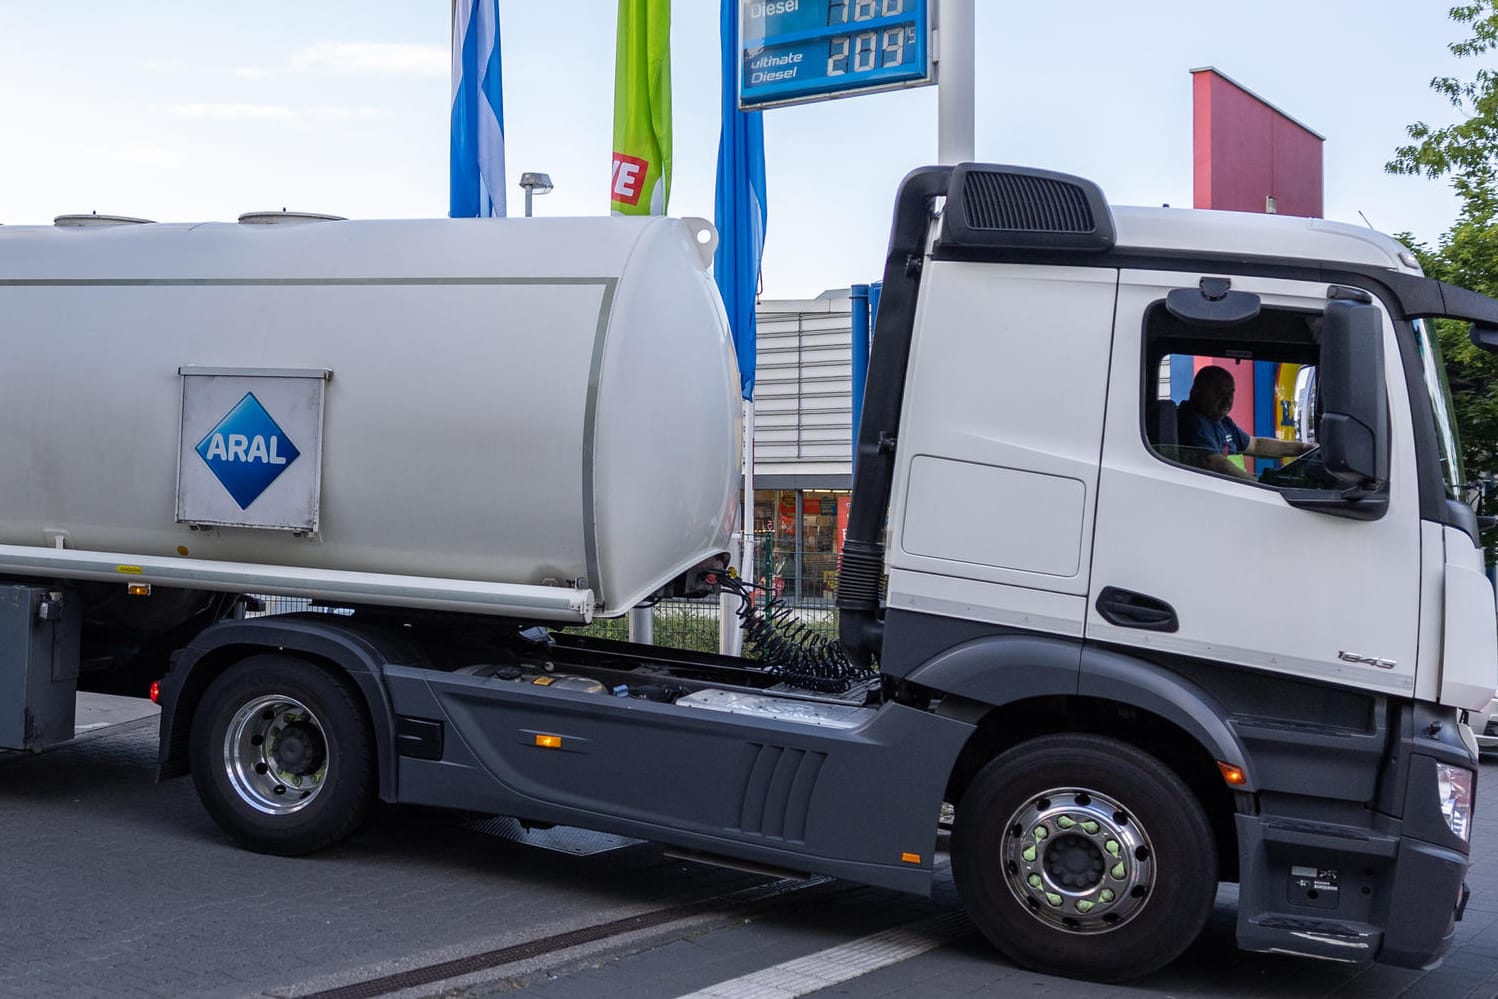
(282, 756)
(1082, 856)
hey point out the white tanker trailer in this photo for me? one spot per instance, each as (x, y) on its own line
(454, 431)
(533, 420)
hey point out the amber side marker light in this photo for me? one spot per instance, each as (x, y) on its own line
(548, 741)
(138, 589)
(1234, 775)
(910, 858)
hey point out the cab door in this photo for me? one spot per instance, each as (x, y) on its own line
(1225, 569)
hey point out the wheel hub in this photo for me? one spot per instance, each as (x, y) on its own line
(1078, 860)
(297, 749)
(276, 754)
(1074, 862)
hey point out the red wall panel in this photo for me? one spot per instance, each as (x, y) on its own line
(1246, 150)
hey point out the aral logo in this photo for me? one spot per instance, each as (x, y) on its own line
(247, 450)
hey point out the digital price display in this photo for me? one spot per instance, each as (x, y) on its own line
(796, 51)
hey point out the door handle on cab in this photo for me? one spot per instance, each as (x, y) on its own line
(1128, 609)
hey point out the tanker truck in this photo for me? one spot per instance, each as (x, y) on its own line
(1056, 622)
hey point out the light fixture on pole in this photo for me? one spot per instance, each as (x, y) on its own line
(534, 183)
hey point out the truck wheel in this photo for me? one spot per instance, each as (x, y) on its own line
(1081, 856)
(281, 756)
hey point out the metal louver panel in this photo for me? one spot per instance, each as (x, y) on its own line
(1010, 201)
(1020, 208)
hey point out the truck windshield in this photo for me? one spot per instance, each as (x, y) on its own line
(1433, 367)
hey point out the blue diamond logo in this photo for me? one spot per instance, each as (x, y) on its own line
(247, 451)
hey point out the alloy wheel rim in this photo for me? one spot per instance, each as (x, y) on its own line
(276, 754)
(1078, 861)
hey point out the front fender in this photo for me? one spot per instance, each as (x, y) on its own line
(1124, 679)
(998, 670)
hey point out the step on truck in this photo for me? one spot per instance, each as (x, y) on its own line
(1132, 673)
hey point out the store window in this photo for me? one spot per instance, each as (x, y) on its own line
(798, 540)
(822, 542)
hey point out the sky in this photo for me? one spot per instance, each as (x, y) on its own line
(178, 111)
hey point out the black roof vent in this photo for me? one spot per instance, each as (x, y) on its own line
(1024, 208)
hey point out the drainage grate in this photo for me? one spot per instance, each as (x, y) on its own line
(416, 977)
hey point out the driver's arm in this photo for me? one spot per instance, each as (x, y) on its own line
(1215, 462)
(1273, 447)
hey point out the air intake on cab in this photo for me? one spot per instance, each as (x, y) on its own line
(1008, 207)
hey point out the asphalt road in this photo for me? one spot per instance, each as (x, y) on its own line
(113, 885)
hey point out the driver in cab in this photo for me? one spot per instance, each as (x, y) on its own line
(1213, 438)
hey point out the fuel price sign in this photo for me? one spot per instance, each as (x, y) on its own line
(797, 51)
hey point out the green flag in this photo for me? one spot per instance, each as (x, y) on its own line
(641, 182)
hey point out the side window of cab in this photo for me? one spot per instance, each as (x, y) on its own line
(1236, 400)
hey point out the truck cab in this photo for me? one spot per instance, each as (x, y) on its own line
(1295, 640)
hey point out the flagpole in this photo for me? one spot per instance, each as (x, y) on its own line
(730, 636)
(954, 81)
(740, 214)
(641, 171)
(749, 569)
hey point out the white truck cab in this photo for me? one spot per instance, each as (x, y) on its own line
(1059, 557)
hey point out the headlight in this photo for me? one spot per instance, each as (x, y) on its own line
(1454, 787)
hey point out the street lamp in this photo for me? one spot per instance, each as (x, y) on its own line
(534, 183)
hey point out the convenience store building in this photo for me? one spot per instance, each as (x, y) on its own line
(803, 429)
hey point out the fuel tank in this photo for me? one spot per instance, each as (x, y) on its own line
(445, 413)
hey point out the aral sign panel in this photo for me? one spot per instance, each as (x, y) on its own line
(250, 452)
(796, 51)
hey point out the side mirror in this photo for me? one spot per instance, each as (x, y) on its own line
(1484, 336)
(1354, 427)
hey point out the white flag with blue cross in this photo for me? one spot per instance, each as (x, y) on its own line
(477, 159)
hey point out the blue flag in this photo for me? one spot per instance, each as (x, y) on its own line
(477, 158)
(739, 209)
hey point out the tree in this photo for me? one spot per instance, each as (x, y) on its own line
(1467, 255)
(1465, 151)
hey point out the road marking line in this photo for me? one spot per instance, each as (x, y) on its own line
(842, 963)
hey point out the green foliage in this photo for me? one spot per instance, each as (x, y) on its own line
(1468, 256)
(1464, 151)
(1467, 154)
(676, 627)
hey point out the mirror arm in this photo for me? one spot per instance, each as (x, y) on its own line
(1354, 504)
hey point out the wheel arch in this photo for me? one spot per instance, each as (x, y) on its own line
(351, 655)
(1013, 688)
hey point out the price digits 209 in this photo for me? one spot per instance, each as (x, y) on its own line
(868, 49)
